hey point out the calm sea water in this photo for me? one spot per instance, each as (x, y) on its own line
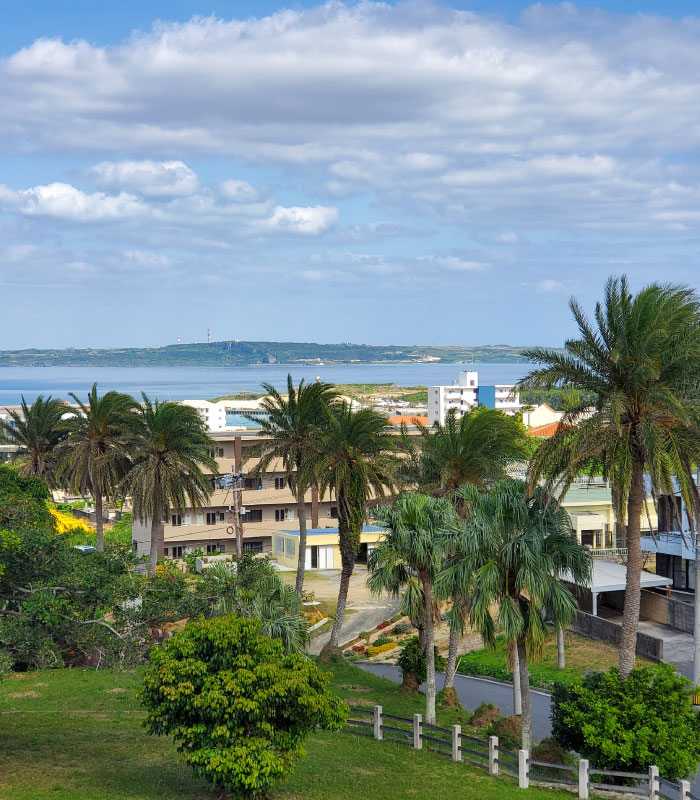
(182, 383)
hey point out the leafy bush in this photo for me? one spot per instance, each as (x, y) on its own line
(549, 750)
(376, 650)
(380, 640)
(237, 706)
(630, 724)
(509, 732)
(401, 628)
(412, 661)
(484, 715)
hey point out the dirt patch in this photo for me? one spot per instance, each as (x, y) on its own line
(484, 716)
(41, 684)
(17, 695)
(363, 701)
(351, 688)
(17, 676)
(117, 690)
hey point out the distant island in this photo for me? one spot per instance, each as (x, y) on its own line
(237, 353)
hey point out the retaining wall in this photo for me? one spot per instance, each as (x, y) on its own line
(606, 631)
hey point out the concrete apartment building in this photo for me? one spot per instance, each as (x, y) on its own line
(268, 503)
(466, 394)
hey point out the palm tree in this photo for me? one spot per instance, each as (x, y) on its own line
(476, 449)
(38, 430)
(292, 425)
(94, 458)
(266, 598)
(355, 460)
(416, 529)
(169, 447)
(513, 551)
(641, 361)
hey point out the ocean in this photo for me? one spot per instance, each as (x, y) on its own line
(183, 383)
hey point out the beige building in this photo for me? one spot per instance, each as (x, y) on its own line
(322, 550)
(267, 503)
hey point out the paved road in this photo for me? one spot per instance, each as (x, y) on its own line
(367, 616)
(474, 691)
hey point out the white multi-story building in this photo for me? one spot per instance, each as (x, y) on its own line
(213, 414)
(466, 394)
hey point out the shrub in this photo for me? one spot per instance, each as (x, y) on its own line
(413, 662)
(630, 724)
(382, 625)
(401, 628)
(382, 648)
(509, 732)
(484, 715)
(549, 750)
(237, 706)
(380, 640)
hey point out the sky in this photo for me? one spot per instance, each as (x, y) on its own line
(385, 173)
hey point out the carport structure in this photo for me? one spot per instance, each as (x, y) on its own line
(609, 576)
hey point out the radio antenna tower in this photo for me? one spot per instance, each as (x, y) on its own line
(208, 335)
(179, 338)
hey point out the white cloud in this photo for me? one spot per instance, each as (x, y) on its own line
(150, 178)
(310, 220)
(238, 191)
(63, 201)
(549, 285)
(454, 263)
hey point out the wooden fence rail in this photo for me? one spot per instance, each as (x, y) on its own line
(488, 754)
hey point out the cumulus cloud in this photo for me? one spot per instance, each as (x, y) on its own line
(309, 220)
(150, 178)
(64, 201)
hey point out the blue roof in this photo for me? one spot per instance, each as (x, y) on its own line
(325, 531)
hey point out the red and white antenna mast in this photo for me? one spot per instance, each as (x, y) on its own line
(179, 338)
(208, 335)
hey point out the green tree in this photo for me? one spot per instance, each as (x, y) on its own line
(476, 449)
(641, 360)
(238, 708)
(292, 426)
(356, 461)
(255, 589)
(169, 447)
(417, 527)
(511, 551)
(38, 430)
(95, 456)
(630, 724)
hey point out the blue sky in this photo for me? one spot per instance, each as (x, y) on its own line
(384, 173)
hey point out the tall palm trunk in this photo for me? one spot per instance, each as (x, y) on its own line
(451, 668)
(429, 650)
(630, 614)
(156, 530)
(517, 696)
(696, 623)
(99, 523)
(345, 575)
(561, 656)
(301, 564)
(525, 694)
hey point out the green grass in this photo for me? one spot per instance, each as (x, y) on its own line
(582, 655)
(69, 736)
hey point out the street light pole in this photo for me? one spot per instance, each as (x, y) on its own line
(237, 489)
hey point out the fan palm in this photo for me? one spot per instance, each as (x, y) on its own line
(94, 458)
(476, 449)
(169, 447)
(38, 430)
(268, 599)
(417, 527)
(292, 427)
(640, 358)
(513, 551)
(356, 460)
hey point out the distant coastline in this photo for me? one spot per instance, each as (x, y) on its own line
(238, 353)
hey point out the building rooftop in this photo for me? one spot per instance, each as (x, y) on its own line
(609, 576)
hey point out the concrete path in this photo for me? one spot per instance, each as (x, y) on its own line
(678, 646)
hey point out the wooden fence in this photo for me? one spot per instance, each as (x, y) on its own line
(488, 754)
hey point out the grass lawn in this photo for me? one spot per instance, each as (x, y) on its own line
(582, 654)
(77, 735)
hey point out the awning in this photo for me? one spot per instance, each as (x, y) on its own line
(609, 576)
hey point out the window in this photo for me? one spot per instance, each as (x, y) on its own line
(175, 519)
(254, 515)
(213, 548)
(165, 550)
(280, 514)
(669, 518)
(278, 543)
(252, 547)
(177, 552)
(220, 452)
(252, 483)
(289, 547)
(211, 517)
(280, 483)
(222, 516)
(135, 545)
(334, 512)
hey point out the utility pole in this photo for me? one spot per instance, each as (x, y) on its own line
(238, 510)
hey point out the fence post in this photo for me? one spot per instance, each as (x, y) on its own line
(417, 732)
(456, 742)
(683, 790)
(523, 771)
(493, 755)
(653, 782)
(377, 722)
(583, 778)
